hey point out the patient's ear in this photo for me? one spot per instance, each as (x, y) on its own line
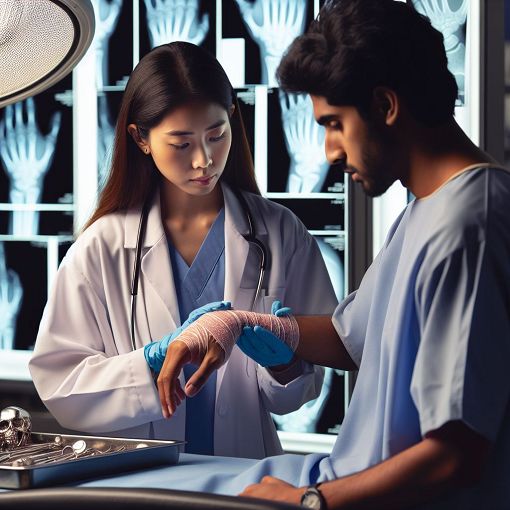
(385, 105)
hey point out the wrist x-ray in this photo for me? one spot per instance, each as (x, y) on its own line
(106, 17)
(26, 156)
(297, 160)
(11, 293)
(267, 27)
(304, 139)
(175, 20)
(449, 17)
(273, 25)
(23, 292)
(164, 21)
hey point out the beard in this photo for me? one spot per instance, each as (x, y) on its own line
(379, 170)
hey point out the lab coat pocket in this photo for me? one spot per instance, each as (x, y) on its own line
(273, 295)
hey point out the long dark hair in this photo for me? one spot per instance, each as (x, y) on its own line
(168, 77)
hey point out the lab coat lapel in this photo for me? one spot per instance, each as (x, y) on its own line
(239, 286)
(236, 252)
(156, 270)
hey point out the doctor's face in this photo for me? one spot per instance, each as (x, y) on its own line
(190, 146)
(356, 146)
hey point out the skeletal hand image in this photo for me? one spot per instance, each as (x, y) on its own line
(306, 417)
(26, 155)
(273, 25)
(105, 136)
(106, 16)
(334, 267)
(304, 139)
(449, 17)
(175, 20)
(11, 293)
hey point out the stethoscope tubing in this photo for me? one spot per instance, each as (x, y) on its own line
(251, 238)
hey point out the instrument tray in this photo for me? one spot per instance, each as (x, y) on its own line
(111, 455)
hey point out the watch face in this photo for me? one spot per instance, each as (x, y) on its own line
(311, 499)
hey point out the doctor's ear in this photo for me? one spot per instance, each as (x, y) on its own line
(136, 134)
(385, 105)
(231, 110)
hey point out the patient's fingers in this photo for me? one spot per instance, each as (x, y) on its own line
(213, 359)
(169, 387)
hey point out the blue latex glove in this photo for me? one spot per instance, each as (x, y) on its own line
(262, 346)
(155, 352)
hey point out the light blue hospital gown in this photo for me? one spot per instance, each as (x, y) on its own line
(430, 329)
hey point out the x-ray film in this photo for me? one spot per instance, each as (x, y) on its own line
(450, 17)
(36, 156)
(164, 21)
(316, 213)
(267, 28)
(23, 292)
(113, 41)
(295, 142)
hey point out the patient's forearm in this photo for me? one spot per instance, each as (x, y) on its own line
(320, 344)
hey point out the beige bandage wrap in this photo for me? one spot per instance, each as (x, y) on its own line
(225, 326)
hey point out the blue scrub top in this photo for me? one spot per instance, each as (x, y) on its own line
(197, 285)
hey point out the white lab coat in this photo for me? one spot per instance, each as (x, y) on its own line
(83, 364)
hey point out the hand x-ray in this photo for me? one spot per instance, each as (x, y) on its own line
(449, 17)
(23, 292)
(164, 21)
(296, 157)
(105, 137)
(304, 139)
(273, 25)
(106, 17)
(113, 41)
(11, 293)
(268, 27)
(36, 157)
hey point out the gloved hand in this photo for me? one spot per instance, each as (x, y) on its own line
(155, 352)
(262, 346)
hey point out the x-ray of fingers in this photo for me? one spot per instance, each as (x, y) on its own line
(266, 27)
(450, 18)
(36, 162)
(113, 41)
(165, 21)
(296, 157)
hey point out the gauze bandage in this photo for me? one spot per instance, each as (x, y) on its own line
(227, 325)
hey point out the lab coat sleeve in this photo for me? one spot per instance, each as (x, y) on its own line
(308, 291)
(79, 374)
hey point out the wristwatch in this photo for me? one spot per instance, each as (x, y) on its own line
(313, 498)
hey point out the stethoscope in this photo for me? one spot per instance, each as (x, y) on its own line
(250, 237)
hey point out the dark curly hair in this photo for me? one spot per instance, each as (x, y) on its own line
(356, 45)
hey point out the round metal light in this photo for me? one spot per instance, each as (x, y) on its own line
(40, 43)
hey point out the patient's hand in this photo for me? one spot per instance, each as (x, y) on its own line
(208, 343)
(179, 354)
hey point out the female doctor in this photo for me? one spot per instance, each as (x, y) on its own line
(181, 154)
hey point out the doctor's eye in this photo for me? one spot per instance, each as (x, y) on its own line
(179, 146)
(217, 138)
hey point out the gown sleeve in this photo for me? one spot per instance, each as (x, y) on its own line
(461, 368)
